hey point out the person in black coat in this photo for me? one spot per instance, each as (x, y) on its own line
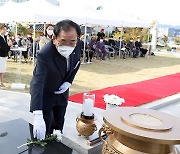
(4, 49)
(132, 50)
(100, 35)
(138, 46)
(57, 64)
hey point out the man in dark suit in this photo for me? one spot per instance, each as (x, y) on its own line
(56, 67)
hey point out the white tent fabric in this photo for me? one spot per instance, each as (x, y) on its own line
(164, 12)
(106, 16)
(9, 11)
(30, 11)
(113, 13)
(80, 11)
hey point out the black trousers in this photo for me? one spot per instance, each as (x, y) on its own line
(54, 118)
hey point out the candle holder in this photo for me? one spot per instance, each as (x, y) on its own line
(85, 121)
(85, 125)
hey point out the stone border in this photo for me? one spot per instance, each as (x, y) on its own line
(162, 102)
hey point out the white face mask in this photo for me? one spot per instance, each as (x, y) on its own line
(138, 40)
(101, 41)
(50, 32)
(65, 51)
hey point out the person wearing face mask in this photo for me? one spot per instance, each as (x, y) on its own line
(56, 66)
(4, 49)
(91, 48)
(26, 44)
(131, 48)
(100, 49)
(47, 36)
(138, 46)
(18, 40)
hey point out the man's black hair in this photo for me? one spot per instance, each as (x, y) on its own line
(66, 25)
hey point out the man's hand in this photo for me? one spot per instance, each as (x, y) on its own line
(65, 86)
(39, 129)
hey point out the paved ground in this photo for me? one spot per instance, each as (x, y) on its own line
(15, 105)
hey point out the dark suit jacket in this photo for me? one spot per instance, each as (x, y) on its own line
(138, 45)
(4, 48)
(49, 74)
(130, 45)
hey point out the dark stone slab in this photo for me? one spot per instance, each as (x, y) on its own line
(15, 133)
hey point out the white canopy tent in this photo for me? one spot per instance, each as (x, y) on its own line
(84, 10)
(30, 11)
(80, 11)
(115, 12)
(164, 12)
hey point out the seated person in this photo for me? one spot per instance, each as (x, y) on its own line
(91, 49)
(112, 42)
(123, 44)
(106, 41)
(143, 52)
(132, 50)
(100, 49)
(138, 46)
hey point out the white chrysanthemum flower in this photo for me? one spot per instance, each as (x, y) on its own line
(113, 99)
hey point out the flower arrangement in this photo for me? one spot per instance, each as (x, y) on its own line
(113, 100)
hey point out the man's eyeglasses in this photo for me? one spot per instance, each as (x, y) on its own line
(71, 43)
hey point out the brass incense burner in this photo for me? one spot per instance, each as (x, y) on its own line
(85, 125)
(132, 130)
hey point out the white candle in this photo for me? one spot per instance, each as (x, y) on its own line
(88, 107)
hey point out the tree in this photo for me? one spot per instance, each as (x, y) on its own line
(177, 40)
(23, 30)
(165, 39)
(135, 32)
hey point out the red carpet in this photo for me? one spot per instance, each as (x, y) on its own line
(137, 93)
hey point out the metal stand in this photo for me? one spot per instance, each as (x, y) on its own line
(19, 85)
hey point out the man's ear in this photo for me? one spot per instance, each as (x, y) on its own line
(54, 40)
(54, 37)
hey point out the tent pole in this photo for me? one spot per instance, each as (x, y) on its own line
(148, 46)
(85, 33)
(154, 37)
(44, 28)
(108, 31)
(34, 34)
(120, 42)
(16, 28)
